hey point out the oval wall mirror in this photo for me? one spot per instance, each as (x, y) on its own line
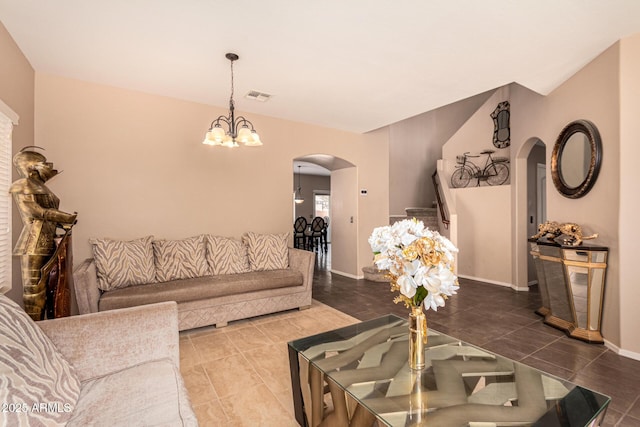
(576, 158)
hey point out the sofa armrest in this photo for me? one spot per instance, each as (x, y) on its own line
(97, 344)
(85, 282)
(304, 262)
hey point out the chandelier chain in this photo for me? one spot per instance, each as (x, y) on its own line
(232, 88)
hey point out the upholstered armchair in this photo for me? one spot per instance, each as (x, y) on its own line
(119, 367)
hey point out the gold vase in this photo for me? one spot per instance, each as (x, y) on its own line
(417, 337)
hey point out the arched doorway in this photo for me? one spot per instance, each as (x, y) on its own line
(530, 197)
(536, 198)
(329, 189)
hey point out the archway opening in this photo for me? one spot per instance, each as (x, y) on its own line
(325, 187)
(536, 197)
(531, 191)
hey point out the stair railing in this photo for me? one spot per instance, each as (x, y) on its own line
(444, 214)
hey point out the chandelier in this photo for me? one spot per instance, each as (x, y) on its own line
(298, 194)
(237, 129)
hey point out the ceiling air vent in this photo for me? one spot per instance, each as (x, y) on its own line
(258, 96)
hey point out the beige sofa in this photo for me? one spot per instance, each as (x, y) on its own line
(119, 367)
(229, 287)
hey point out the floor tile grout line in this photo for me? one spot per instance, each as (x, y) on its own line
(217, 395)
(266, 384)
(624, 415)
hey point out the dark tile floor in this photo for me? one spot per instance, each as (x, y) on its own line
(501, 320)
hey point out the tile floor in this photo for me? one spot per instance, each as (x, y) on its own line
(239, 375)
(503, 321)
(226, 389)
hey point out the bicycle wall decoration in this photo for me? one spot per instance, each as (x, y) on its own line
(495, 170)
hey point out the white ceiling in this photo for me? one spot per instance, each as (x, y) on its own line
(355, 65)
(319, 164)
(307, 168)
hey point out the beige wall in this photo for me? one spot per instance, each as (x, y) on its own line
(526, 129)
(17, 91)
(628, 229)
(373, 209)
(344, 223)
(485, 248)
(133, 165)
(415, 147)
(592, 94)
(483, 214)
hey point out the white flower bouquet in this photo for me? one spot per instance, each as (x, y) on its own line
(420, 263)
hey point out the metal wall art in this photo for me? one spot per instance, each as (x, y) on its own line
(501, 129)
(495, 170)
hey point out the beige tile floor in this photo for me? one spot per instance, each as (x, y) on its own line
(239, 375)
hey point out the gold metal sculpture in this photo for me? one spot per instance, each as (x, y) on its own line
(38, 207)
(553, 230)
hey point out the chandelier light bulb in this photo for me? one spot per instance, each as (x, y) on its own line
(217, 134)
(244, 135)
(255, 139)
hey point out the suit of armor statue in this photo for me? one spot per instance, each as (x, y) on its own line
(38, 208)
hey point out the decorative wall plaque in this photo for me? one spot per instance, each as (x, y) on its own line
(501, 130)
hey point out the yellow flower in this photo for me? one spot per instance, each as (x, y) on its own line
(432, 258)
(410, 253)
(425, 244)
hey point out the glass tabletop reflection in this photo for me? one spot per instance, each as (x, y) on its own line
(366, 366)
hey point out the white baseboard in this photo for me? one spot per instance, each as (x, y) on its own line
(351, 276)
(495, 282)
(621, 352)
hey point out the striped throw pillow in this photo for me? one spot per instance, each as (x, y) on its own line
(227, 256)
(123, 263)
(180, 259)
(267, 251)
(37, 385)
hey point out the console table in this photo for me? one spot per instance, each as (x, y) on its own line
(359, 376)
(571, 280)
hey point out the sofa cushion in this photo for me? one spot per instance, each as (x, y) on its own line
(123, 263)
(148, 394)
(226, 256)
(200, 288)
(32, 372)
(180, 259)
(267, 251)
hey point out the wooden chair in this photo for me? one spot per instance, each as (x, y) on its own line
(325, 237)
(299, 233)
(318, 235)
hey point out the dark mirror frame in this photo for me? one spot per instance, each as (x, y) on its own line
(591, 132)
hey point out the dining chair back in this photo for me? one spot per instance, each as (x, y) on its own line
(300, 233)
(318, 234)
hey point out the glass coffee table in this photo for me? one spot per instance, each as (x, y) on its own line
(359, 376)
